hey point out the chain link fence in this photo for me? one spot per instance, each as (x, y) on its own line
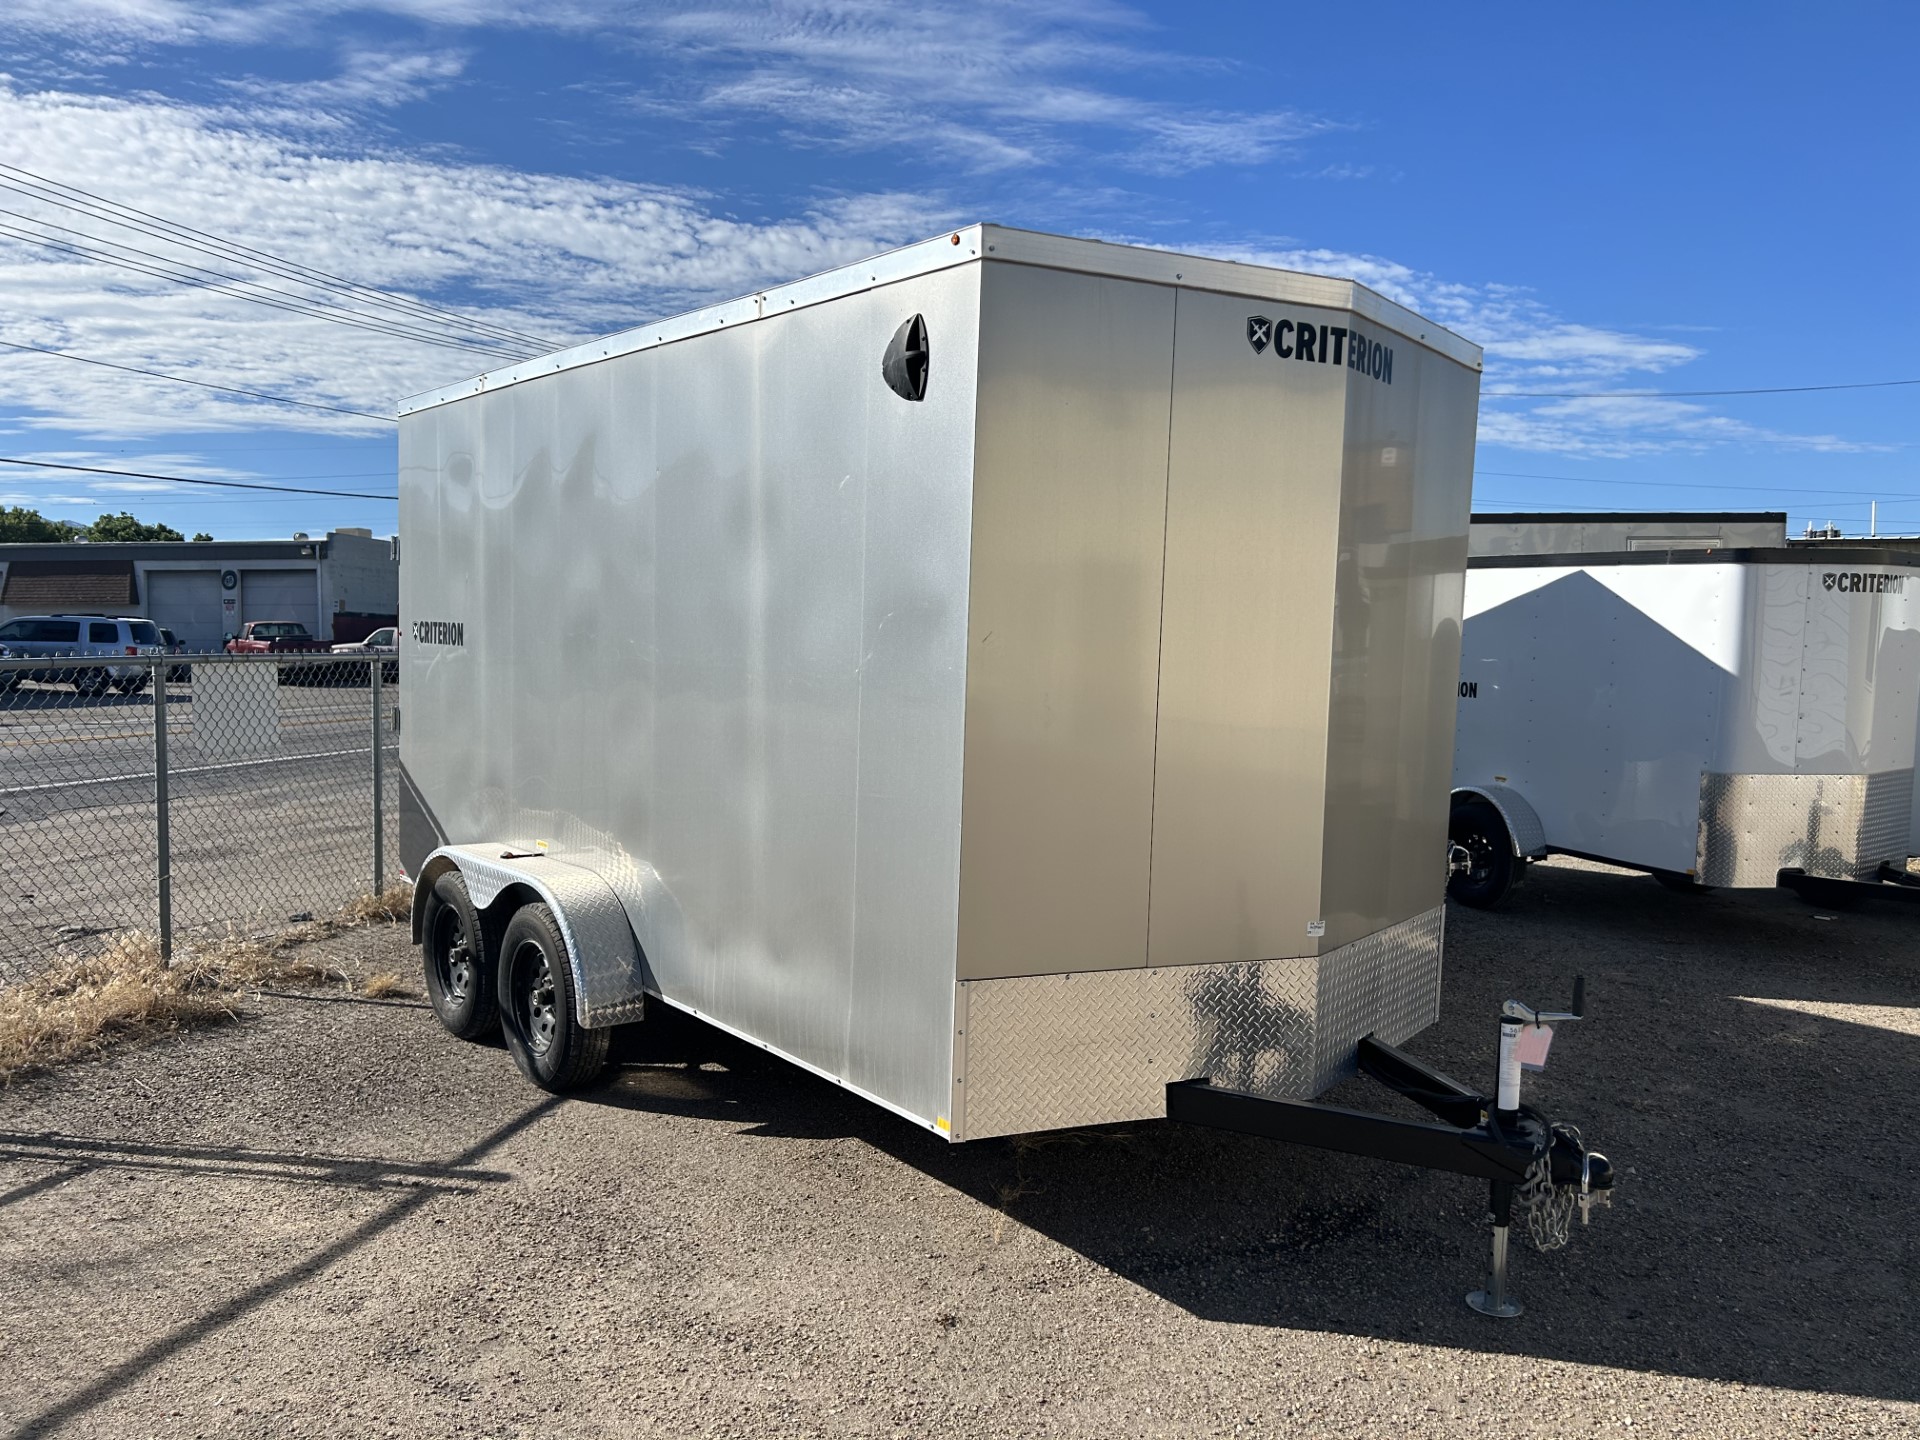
(189, 796)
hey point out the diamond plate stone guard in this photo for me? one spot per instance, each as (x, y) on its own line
(1048, 1052)
(1839, 826)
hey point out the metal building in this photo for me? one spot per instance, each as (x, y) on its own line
(339, 586)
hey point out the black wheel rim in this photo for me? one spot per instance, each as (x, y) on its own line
(1480, 852)
(533, 997)
(453, 957)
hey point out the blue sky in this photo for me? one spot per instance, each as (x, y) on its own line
(1612, 201)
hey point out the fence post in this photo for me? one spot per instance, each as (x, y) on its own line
(374, 663)
(163, 847)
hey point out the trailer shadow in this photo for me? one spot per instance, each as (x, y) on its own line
(1737, 1064)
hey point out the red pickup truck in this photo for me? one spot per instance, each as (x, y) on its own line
(275, 637)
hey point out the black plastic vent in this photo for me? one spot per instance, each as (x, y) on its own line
(904, 367)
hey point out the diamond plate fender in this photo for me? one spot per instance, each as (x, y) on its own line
(1529, 835)
(609, 970)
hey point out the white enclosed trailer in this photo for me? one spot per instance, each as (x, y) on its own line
(1740, 718)
(1003, 676)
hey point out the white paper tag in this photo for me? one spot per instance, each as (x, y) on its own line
(1531, 1047)
(1316, 927)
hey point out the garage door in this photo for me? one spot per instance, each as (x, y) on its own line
(281, 595)
(187, 602)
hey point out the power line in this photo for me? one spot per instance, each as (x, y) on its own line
(1484, 504)
(1683, 394)
(193, 480)
(324, 306)
(54, 192)
(1679, 484)
(230, 285)
(202, 384)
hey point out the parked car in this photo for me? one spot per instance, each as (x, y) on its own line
(39, 637)
(176, 674)
(381, 642)
(275, 637)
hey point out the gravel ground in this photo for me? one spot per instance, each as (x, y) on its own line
(333, 1219)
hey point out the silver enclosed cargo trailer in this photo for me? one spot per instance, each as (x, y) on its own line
(1005, 676)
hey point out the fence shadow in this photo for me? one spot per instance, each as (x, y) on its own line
(77, 1154)
(129, 1372)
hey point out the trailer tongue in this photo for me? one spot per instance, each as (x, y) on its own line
(1542, 1164)
(1006, 677)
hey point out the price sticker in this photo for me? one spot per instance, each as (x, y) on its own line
(1531, 1048)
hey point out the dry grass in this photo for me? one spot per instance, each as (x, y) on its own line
(392, 904)
(83, 1005)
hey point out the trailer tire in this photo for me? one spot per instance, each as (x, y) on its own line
(459, 953)
(550, 1046)
(1681, 883)
(1477, 828)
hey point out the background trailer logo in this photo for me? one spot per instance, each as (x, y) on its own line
(1862, 582)
(1259, 332)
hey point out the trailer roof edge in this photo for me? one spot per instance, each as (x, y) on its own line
(1624, 517)
(1791, 554)
(969, 245)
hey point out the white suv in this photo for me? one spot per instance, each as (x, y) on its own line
(91, 637)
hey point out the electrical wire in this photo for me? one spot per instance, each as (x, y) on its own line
(231, 287)
(1815, 491)
(202, 384)
(53, 192)
(193, 480)
(1683, 394)
(326, 307)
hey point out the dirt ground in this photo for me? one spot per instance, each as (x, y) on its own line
(333, 1219)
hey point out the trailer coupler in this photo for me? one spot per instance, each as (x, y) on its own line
(1542, 1167)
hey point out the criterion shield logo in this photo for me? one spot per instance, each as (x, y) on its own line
(1827, 580)
(1259, 332)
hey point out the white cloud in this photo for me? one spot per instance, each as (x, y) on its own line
(987, 84)
(559, 257)
(1617, 427)
(367, 79)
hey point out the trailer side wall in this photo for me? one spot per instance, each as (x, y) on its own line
(712, 598)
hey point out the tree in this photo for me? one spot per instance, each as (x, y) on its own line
(201, 535)
(20, 525)
(124, 527)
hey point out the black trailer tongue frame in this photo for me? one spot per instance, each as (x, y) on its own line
(1516, 1149)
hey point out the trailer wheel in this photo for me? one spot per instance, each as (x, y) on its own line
(1477, 828)
(459, 951)
(1681, 883)
(551, 1047)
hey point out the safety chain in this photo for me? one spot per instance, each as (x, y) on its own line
(1548, 1207)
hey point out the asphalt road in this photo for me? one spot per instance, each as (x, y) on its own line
(268, 818)
(333, 1219)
